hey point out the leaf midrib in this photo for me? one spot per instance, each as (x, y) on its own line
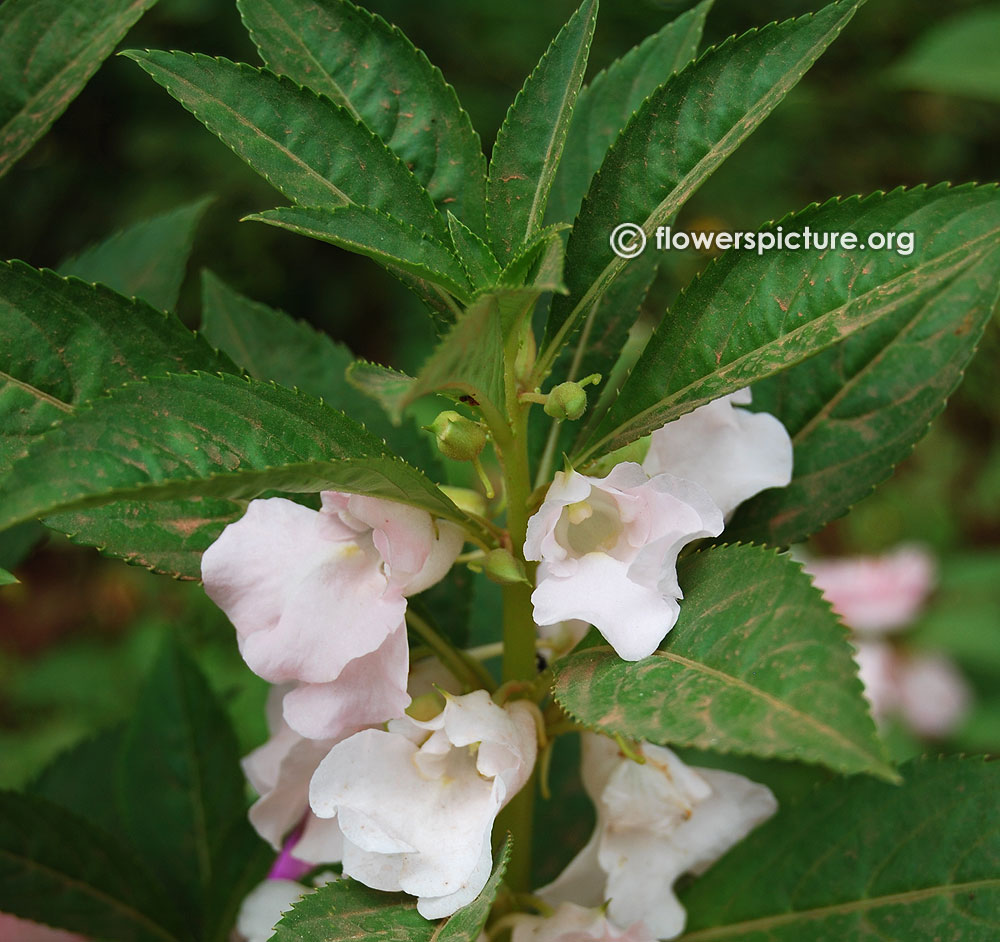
(36, 392)
(765, 923)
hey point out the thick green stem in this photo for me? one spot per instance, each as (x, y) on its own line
(461, 665)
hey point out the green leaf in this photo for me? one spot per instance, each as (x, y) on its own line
(386, 239)
(530, 143)
(865, 861)
(8, 578)
(50, 49)
(773, 677)
(345, 911)
(146, 260)
(63, 342)
(607, 103)
(680, 135)
(271, 345)
(468, 922)
(180, 789)
(960, 56)
(752, 315)
(359, 61)
(478, 261)
(57, 869)
(312, 150)
(856, 410)
(388, 387)
(179, 437)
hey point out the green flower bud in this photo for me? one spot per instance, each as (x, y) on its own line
(457, 437)
(566, 401)
(503, 567)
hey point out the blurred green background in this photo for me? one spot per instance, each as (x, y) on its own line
(909, 94)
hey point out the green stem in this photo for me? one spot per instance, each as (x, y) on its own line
(464, 668)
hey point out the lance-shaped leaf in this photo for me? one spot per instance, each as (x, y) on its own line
(773, 676)
(49, 50)
(866, 861)
(388, 387)
(356, 59)
(479, 262)
(178, 437)
(388, 240)
(751, 315)
(607, 103)
(270, 345)
(181, 800)
(63, 342)
(530, 143)
(855, 411)
(677, 139)
(7, 578)
(146, 260)
(315, 152)
(468, 922)
(57, 869)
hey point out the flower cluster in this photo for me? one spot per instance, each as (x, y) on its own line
(405, 796)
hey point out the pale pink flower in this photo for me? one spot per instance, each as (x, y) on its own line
(608, 551)
(416, 803)
(263, 907)
(655, 822)
(13, 929)
(876, 594)
(318, 598)
(572, 923)
(732, 453)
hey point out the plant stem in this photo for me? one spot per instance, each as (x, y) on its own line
(464, 668)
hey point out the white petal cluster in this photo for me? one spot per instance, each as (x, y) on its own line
(655, 822)
(572, 923)
(416, 803)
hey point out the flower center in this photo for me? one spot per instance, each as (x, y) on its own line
(590, 526)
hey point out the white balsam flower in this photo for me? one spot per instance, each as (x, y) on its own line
(732, 453)
(655, 822)
(263, 907)
(318, 599)
(608, 552)
(416, 803)
(572, 923)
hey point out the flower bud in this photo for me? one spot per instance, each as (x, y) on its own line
(457, 437)
(465, 498)
(566, 401)
(503, 567)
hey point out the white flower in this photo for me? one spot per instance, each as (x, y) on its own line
(264, 906)
(572, 923)
(608, 551)
(732, 453)
(318, 598)
(416, 804)
(876, 594)
(655, 821)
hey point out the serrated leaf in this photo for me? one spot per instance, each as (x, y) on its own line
(539, 262)
(312, 150)
(180, 789)
(864, 861)
(147, 260)
(385, 239)
(361, 62)
(681, 134)
(752, 315)
(179, 437)
(478, 261)
(855, 411)
(63, 342)
(345, 911)
(8, 578)
(773, 677)
(466, 924)
(271, 345)
(530, 143)
(607, 103)
(50, 49)
(388, 387)
(57, 869)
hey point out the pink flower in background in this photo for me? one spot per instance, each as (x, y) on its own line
(655, 822)
(608, 551)
(416, 804)
(876, 594)
(318, 599)
(13, 929)
(572, 923)
(732, 453)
